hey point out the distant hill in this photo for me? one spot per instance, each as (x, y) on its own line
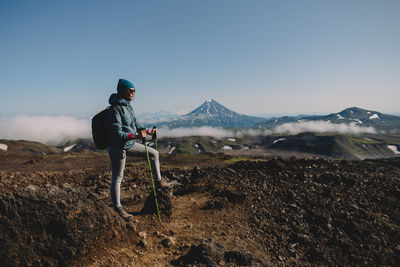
(211, 113)
(26, 147)
(336, 146)
(339, 146)
(353, 116)
(23, 147)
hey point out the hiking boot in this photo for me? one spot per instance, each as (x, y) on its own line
(162, 184)
(126, 216)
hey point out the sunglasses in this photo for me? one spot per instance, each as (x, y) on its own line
(131, 91)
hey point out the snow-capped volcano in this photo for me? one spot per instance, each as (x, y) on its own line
(212, 113)
(211, 108)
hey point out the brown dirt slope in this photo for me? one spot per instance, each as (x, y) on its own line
(250, 213)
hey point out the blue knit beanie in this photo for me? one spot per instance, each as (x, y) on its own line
(124, 85)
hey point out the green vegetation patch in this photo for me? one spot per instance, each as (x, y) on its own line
(238, 159)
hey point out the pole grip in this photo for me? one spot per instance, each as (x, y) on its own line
(154, 136)
(139, 131)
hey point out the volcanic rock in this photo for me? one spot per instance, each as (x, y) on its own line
(164, 203)
(207, 253)
(238, 257)
(50, 225)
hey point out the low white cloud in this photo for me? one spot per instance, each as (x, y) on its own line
(322, 127)
(55, 130)
(51, 130)
(195, 131)
(216, 132)
(287, 128)
(156, 117)
(395, 131)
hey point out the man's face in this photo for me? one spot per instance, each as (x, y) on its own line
(129, 94)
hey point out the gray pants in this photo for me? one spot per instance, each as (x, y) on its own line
(118, 158)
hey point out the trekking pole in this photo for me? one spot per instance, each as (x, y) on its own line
(154, 136)
(152, 180)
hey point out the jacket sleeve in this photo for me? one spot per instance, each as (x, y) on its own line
(115, 123)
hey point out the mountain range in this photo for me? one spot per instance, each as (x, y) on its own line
(213, 114)
(353, 116)
(378, 138)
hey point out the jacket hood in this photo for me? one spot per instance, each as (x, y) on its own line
(116, 99)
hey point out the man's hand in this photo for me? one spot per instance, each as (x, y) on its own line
(142, 134)
(152, 132)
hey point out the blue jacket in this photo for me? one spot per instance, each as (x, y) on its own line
(121, 123)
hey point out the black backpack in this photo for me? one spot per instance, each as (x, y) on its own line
(100, 127)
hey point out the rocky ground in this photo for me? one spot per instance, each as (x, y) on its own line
(222, 211)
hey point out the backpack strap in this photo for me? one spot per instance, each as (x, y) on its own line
(118, 109)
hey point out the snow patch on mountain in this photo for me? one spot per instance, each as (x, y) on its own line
(278, 140)
(3, 147)
(68, 148)
(357, 120)
(375, 116)
(171, 150)
(340, 117)
(394, 149)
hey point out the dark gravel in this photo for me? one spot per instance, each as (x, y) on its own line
(313, 212)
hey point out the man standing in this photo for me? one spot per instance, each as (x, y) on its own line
(124, 130)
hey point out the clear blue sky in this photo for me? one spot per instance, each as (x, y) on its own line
(255, 57)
